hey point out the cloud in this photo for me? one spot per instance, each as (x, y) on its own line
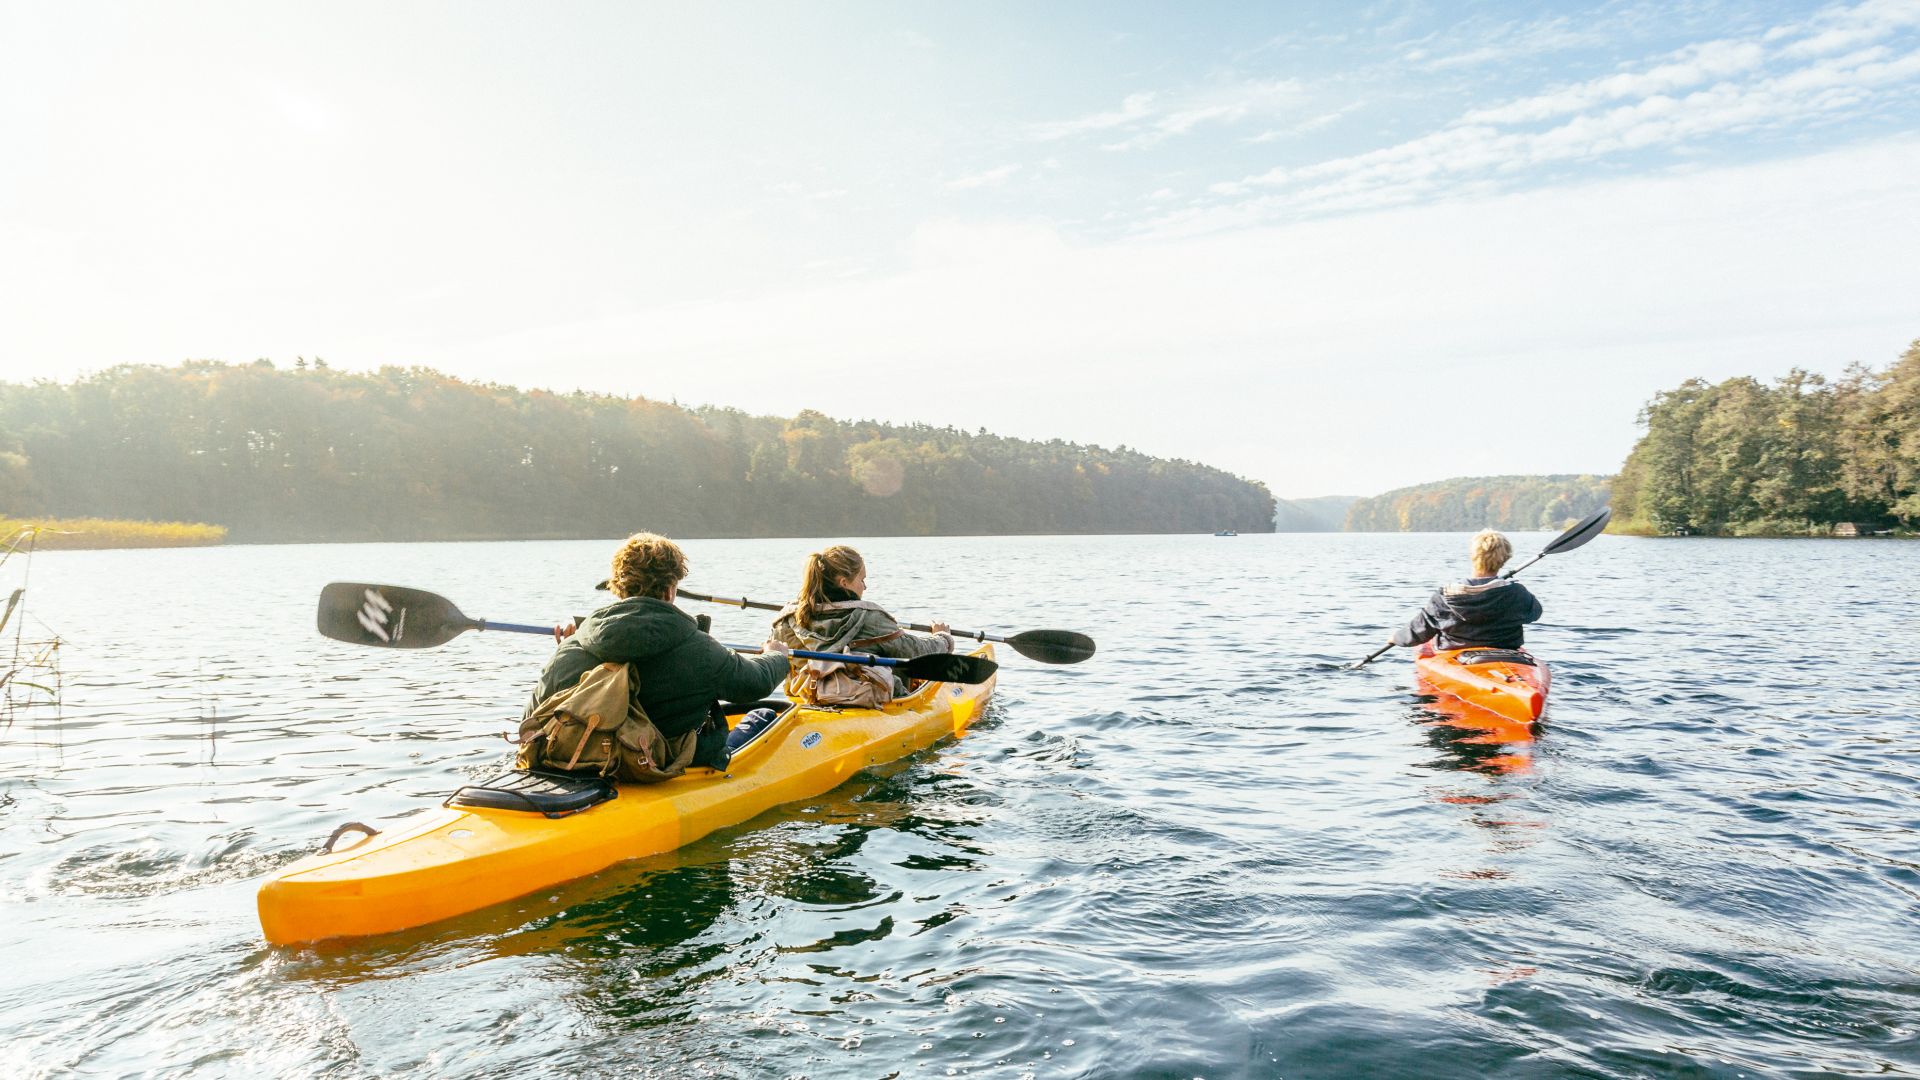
(1133, 109)
(1307, 126)
(1147, 119)
(1342, 328)
(990, 178)
(1506, 41)
(1837, 29)
(1790, 75)
(1689, 67)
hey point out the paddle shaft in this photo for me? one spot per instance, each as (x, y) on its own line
(1510, 574)
(513, 627)
(804, 654)
(743, 602)
(1375, 655)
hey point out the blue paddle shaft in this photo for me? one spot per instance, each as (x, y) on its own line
(845, 658)
(514, 628)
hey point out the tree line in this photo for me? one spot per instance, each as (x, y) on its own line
(1470, 503)
(407, 453)
(1797, 457)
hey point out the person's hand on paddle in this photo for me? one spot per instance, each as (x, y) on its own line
(774, 645)
(565, 630)
(938, 627)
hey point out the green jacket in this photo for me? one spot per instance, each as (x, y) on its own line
(681, 670)
(857, 626)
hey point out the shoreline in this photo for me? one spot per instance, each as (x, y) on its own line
(1892, 534)
(6, 538)
(101, 534)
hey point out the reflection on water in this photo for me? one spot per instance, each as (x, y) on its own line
(1210, 852)
(1474, 739)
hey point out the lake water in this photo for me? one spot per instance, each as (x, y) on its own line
(1206, 852)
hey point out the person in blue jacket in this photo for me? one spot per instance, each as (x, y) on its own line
(1484, 611)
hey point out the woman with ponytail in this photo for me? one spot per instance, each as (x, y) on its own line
(830, 616)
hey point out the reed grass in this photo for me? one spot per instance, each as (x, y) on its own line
(50, 534)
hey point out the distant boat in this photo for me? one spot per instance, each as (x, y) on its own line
(1226, 532)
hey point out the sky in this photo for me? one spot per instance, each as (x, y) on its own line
(1337, 248)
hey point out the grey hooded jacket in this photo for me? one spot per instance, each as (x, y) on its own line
(857, 626)
(1476, 613)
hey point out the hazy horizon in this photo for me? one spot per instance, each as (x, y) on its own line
(1337, 252)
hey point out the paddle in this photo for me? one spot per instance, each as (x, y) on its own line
(1046, 646)
(393, 617)
(1584, 530)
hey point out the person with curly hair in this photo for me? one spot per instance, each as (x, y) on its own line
(680, 670)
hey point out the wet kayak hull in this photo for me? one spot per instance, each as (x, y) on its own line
(445, 861)
(1503, 685)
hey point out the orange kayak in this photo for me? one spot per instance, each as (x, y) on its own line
(1507, 682)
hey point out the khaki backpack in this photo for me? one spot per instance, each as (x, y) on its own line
(597, 726)
(829, 682)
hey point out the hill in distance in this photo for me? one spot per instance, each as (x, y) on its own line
(1326, 513)
(1471, 503)
(312, 453)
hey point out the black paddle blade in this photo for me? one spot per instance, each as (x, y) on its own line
(389, 616)
(1580, 533)
(1052, 646)
(949, 667)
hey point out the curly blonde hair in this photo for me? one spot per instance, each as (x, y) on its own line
(648, 564)
(1491, 550)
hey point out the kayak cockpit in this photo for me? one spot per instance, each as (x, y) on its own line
(1474, 657)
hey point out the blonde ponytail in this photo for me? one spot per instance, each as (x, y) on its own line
(824, 568)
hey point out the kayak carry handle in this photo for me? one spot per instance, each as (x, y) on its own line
(352, 826)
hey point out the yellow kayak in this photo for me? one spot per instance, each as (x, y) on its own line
(492, 844)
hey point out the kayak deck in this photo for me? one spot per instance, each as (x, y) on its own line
(1507, 682)
(445, 861)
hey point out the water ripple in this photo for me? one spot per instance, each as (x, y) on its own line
(1212, 851)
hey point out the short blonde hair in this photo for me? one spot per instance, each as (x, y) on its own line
(647, 565)
(1491, 550)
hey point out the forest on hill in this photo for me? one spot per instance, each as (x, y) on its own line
(1744, 458)
(1470, 503)
(312, 453)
